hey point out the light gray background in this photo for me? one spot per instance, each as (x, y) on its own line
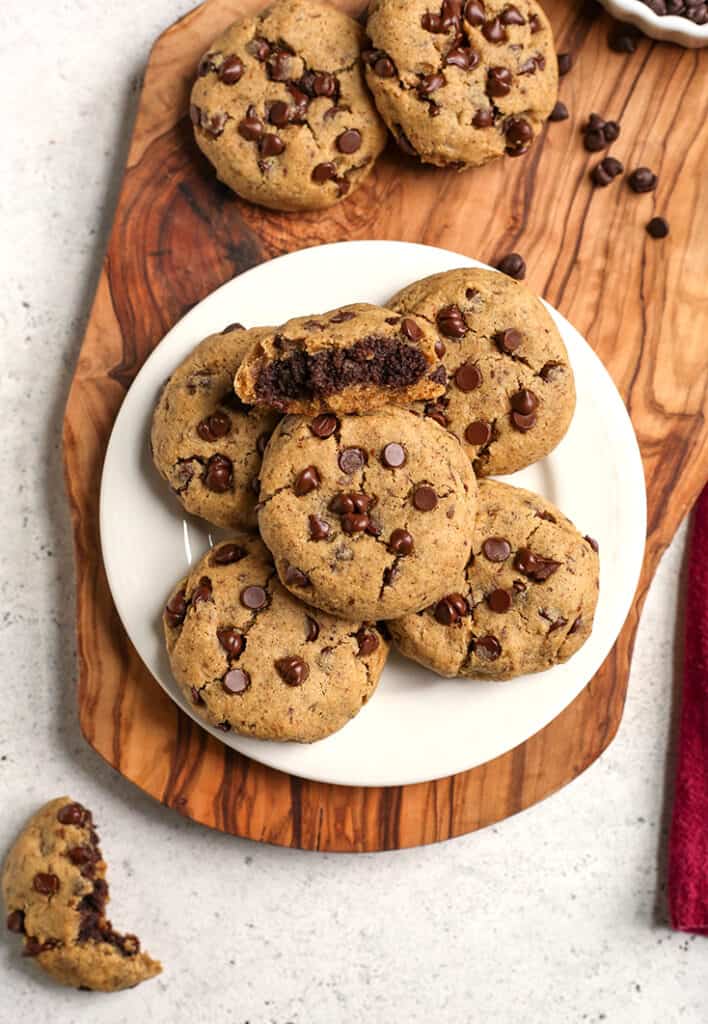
(555, 916)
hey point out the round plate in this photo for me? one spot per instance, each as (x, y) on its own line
(417, 726)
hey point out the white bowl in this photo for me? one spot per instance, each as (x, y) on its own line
(669, 29)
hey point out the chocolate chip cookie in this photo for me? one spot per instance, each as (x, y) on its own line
(252, 658)
(463, 82)
(525, 602)
(205, 442)
(510, 391)
(350, 359)
(55, 891)
(367, 516)
(281, 109)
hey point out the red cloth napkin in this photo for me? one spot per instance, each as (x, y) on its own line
(688, 843)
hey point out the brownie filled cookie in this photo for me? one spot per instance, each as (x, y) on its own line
(351, 359)
(205, 442)
(55, 891)
(367, 516)
(460, 83)
(250, 657)
(510, 391)
(281, 109)
(525, 602)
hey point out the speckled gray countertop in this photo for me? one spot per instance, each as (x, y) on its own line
(554, 916)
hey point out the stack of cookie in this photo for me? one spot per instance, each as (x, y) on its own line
(359, 443)
(292, 106)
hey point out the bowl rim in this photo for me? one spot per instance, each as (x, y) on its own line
(673, 24)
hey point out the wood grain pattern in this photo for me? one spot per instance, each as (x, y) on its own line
(642, 304)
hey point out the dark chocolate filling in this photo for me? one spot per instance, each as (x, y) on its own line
(382, 362)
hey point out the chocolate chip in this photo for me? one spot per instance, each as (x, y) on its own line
(451, 322)
(206, 64)
(576, 626)
(549, 371)
(324, 425)
(235, 681)
(439, 348)
(499, 82)
(513, 265)
(296, 577)
(479, 433)
(226, 726)
(312, 629)
(451, 609)
(349, 141)
(351, 460)
(559, 112)
(45, 883)
(227, 554)
(519, 135)
(606, 171)
(592, 542)
(393, 455)
(254, 598)
(251, 127)
(430, 83)
(496, 549)
(642, 180)
(461, 57)
(611, 131)
(487, 647)
(175, 611)
(342, 316)
(411, 329)
(233, 327)
(499, 601)
(555, 623)
(508, 341)
(475, 13)
(400, 543)
(494, 31)
(512, 16)
(324, 84)
(536, 567)
(196, 696)
(483, 118)
(279, 114)
(451, 13)
(523, 401)
(542, 514)
(324, 172)
(432, 22)
(523, 422)
(219, 474)
(424, 498)
(203, 591)
(658, 227)
(623, 38)
(565, 63)
(319, 528)
(354, 522)
(213, 124)
(231, 71)
(231, 640)
(213, 427)
(467, 377)
(279, 66)
(260, 48)
(535, 24)
(307, 480)
(384, 67)
(16, 922)
(80, 855)
(271, 145)
(367, 642)
(75, 814)
(293, 670)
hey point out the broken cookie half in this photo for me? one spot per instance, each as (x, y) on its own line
(352, 359)
(55, 891)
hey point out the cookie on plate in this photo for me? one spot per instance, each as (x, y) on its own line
(525, 602)
(351, 359)
(463, 82)
(55, 891)
(367, 516)
(205, 443)
(252, 658)
(281, 109)
(510, 391)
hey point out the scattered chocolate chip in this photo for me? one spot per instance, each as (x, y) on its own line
(279, 65)
(307, 480)
(271, 145)
(75, 814)
(513, 265)
(461, 57)
(219, 474)
(494, 31)
(312, 629)
(467, 377)
(231, 71)
(542, 514)
(555, 623)
(642, 180)
(475, 13)
(576, 626)
(251, 127)
(81, 855)
(296, 577)
(451, 322)
(512, 16)
(16, 922)
(658, 227)
(536, 567)
(592, 542)
(432, 22)
(623, 38)
(293, 670)
(523, 401)
(565, 63)
(260, 48)
(384, 67)
(175, 611)
(279, 114)
(393, 455)
(451, 609)
(324, 425)
(213, 124)
(254, 598)
(342, 316)
(232, 641)
(496, 549)
(196, 696)
(487, 647)
(324, 172)
(45, 883)
(499, 82)
(508, 341)
(233, 327)
(499, 601)
(206, 64)
(324, 84)
(367, 642)
(236, 680)
(424, 498)
(349, 141)
(202, 592)
(479, 433)
(213, 427)
(535, 24)
(226, 726)
(559, 112)
(523, 422)
(519, 135)
(226, 554)
(429, 84)
(549, 371)
(439, 348)
(351, 460)
(411, 329)
(354, 522)
(599, 134)
(606, 171)
(319, 528)
(400, 543)
(483, 118)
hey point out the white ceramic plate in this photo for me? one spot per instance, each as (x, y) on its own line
(417, 726)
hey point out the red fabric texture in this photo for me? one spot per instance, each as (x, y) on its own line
(688, 843)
